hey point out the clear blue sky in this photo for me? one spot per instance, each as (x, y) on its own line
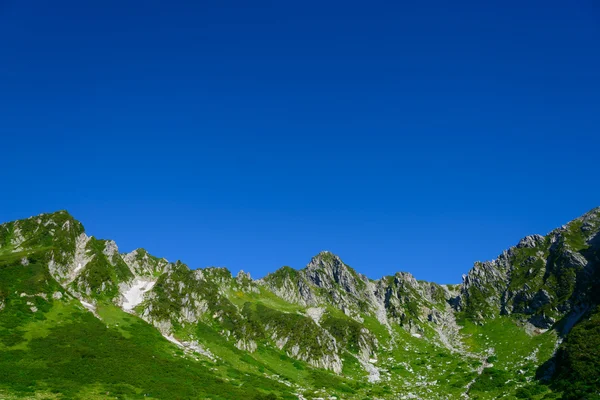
(414, 136)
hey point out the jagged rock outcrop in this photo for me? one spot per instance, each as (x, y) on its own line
(141, 263)
(408, 301)
(327, 280)
(541, 278)
(178, 297)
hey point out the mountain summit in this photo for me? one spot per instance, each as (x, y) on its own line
(80, 319)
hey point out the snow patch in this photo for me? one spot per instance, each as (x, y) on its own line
(173, 340)
(134, 295)
(373, 371)
(315, 313)
(89, 306)
(196, 347)
(192, 346)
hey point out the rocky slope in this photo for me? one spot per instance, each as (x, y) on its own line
(396, 335)
(543, 279)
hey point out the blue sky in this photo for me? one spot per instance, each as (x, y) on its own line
(403, 137)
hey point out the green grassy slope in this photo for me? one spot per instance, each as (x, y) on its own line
(51, 346)
(578, 366)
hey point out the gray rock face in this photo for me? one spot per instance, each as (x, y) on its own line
(327, 271)
(187, 305)
(141, 263)
(292, 288)
(541, 298)
(399, 299)
(244, 283)
(325, 280)
(68, 273)
(531, 241)
(413, 304)
(542, 278)
(110, 249)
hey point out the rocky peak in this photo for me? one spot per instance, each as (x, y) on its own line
(405, 278)
(531, 241)
(110, 249)
(591, 216)
(291, 285)
(541, 278)
(243, 277)
(58, 228)
(141, 263)
(326, 270)
(218, 275)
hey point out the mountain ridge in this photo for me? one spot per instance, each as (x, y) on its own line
(326, 315)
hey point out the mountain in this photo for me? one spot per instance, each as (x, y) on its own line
(81, 320)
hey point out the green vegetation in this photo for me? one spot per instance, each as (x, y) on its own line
(281, 275)
(134, 361)
(232, 337)
(578, 365)
(102, 275)
(347, 332)
(574, 236)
